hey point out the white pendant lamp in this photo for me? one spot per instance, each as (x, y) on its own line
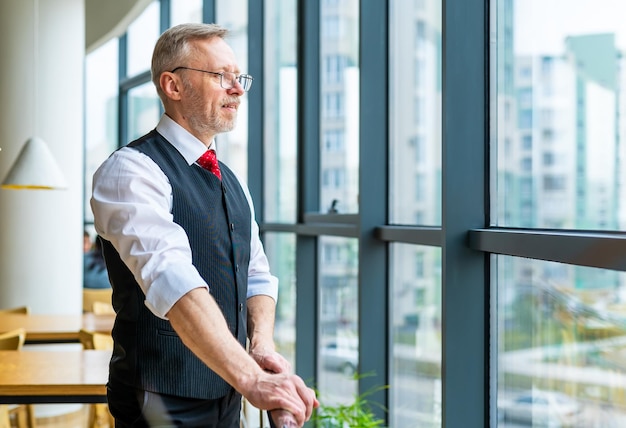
(34, 168)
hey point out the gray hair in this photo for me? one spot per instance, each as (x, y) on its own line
(173, 47)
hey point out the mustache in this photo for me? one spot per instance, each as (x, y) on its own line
(231, 101)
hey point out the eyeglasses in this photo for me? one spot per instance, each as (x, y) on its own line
(227, 79)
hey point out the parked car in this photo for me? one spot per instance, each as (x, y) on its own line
(541, 408)
(342, 358)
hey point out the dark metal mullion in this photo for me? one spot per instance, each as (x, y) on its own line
(256, 160)
(208, 11)
(122, 99)
(312, 229)
(465, 285)
(308, 161)
(165, 15)
(373, 201)
(164, 23)
(331, 218)
(127, 84)
(605, 250)
(417, 235)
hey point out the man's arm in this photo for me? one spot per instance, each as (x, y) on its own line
(199, 322)
(261, 315)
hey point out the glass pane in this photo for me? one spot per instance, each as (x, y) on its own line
(338, 320)
(233, 146)
(101, 84)
(559, 128)
(281, 253)
(415, 112)
(280, 124)
(143, 33)
(415, 336)
(560, 342)
(182, 11)
(143, 110)
(339, 106)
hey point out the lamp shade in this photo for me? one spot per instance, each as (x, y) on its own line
(34, 168)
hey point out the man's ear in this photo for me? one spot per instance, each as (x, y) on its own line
(170, 85)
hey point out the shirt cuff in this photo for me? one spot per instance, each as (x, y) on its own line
(263, 285)
(172, 284)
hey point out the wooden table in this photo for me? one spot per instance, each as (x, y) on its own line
(55, 328)
(38, 377)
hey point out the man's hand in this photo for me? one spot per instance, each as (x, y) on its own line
(270, 360)
(282, 419)
(286, 392)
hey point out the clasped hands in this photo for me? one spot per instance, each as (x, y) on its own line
(285, 394)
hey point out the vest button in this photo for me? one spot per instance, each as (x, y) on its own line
(232, 226)
(236, 268)
(241, 307)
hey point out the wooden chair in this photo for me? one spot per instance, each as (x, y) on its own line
(5, 421)
(16, 310)
(22, 413)
(91, 295)
(102, 308)
(13, 340)
(99, 415)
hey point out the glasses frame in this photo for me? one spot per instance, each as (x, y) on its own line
(245, 80)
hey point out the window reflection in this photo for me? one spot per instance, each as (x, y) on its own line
(561, 344)
(280, 101)
(233, 146)
(101, 100)
(142, 34)
(415, 336)
(415, 112)
(182, 11)
(338, 319)
(143, 110)
(558, 100)
(339, 104)
(281, 253)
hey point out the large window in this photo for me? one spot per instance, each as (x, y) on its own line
(439, 190)
(101, 122)
(559, 169)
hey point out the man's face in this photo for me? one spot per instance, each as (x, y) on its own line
(209, 107)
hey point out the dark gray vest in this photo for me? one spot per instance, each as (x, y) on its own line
(148, 353)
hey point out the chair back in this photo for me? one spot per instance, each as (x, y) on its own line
(12, 340)
(102, 308)
(93, 340)
(5, 420)
(16, 310)
(99, 414)
(91, 295)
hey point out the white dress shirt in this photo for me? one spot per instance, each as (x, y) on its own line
(132, 206)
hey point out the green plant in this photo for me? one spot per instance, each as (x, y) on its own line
(357, 414)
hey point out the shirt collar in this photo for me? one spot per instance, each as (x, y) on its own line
(189, 146)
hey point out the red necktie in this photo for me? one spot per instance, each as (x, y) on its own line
(208, 161)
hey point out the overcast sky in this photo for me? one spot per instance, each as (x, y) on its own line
(542, 25)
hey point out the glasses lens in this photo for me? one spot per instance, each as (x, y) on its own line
(228, 80)
(245, 81)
